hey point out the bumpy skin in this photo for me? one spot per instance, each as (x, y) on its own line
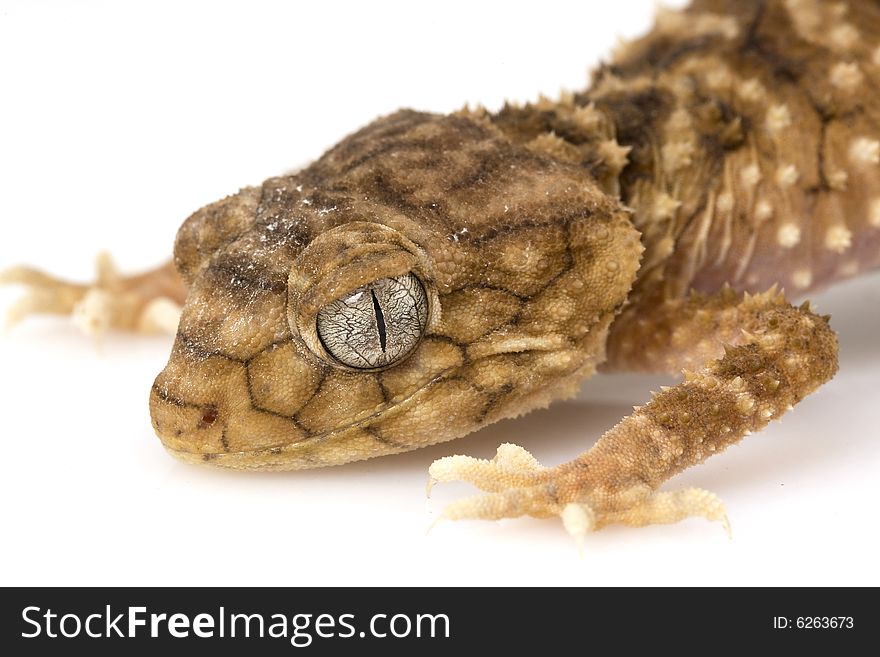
(552, 239)
(525, 261)
(733, 148)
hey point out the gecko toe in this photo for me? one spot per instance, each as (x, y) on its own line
(665, 507)
(512, 466)
(43, 294)
(534, 501)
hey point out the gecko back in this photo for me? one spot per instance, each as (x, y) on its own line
(745, 137)
(769, 140)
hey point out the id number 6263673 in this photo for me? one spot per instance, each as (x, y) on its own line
(814, 622)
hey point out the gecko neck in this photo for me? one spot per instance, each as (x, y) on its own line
(619, 130)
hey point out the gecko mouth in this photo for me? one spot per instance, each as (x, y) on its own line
(287, 453)
(312, 450)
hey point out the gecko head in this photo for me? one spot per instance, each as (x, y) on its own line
(422, 279)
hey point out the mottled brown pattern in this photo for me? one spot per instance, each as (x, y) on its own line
(733, 148)
(524, 259)
(775, 106)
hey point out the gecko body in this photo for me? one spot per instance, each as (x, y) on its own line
(432, 274)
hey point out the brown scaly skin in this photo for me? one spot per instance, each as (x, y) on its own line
(526, 263)
(731, 149)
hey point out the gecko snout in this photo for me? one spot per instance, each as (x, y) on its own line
(185, 428)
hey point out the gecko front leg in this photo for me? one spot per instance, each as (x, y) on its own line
(146, 303)
(783, 354)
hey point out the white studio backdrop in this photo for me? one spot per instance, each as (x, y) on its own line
(120, 119)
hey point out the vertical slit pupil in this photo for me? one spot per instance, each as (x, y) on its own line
(380, 321)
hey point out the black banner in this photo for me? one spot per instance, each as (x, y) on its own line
(430, 621)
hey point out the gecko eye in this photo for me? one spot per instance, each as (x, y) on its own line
(375, 325)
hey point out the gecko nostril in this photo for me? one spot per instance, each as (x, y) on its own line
(209, 417)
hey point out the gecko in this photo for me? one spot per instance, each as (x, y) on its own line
(432, 274)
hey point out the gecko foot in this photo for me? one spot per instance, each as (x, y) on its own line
(517, 485)
(148, 303)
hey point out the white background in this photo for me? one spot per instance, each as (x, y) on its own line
(118, 120)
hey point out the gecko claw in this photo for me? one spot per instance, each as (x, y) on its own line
(578, 520)
(436, 522)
